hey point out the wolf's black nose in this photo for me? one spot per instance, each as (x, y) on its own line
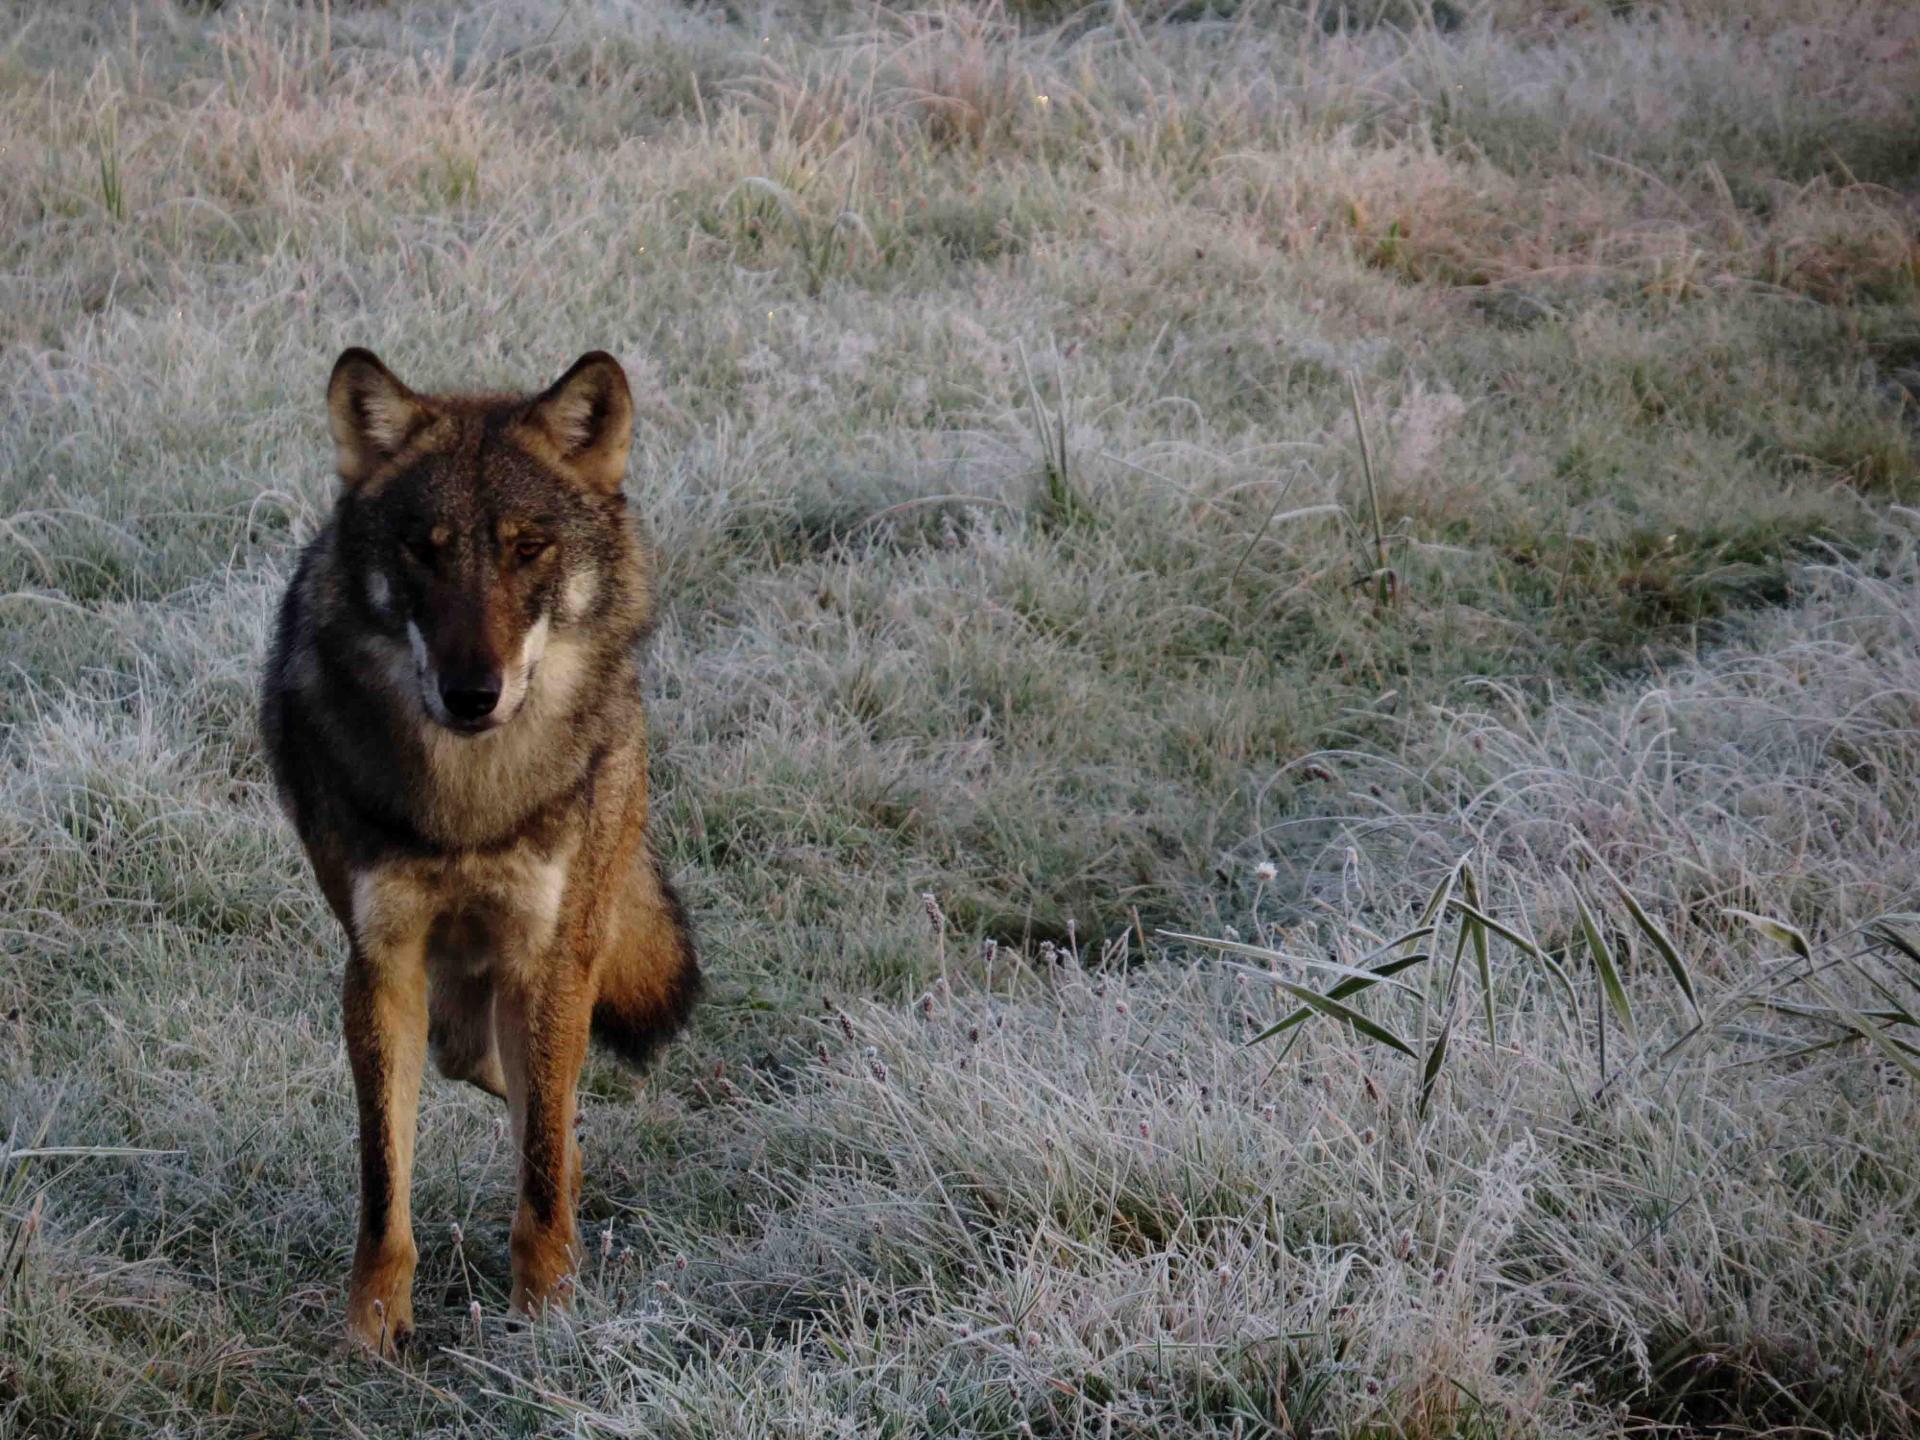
(470, 697)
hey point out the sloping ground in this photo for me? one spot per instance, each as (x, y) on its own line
(999, 388)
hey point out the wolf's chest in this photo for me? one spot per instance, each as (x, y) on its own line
(466, 914)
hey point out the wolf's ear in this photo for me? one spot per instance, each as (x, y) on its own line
(585, 421)
(373, 415)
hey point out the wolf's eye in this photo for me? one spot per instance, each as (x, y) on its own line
(530, 548)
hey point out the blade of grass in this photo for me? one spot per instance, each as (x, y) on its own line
(1481, 958)
(1278, 501)
(1436, 905)
(1237, 947)
(1885, 1043)
(1383, 576)
(1420, 933)
(1334, 1010)
(1431, 1072)
(1603, 964)
(1820, 1012)
(1525, 946)
(1653, 930)
(1883, 931)
(1340, 992)
(1773, 929)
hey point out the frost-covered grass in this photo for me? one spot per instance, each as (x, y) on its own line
(998, 373)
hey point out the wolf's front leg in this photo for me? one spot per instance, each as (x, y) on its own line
(541, 1021)
(385, 1009)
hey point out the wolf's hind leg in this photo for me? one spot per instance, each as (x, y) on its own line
(650, 977)
(460, 1032)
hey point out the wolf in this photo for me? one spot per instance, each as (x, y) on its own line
(453, 718)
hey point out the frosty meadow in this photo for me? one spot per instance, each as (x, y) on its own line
(1422, 493)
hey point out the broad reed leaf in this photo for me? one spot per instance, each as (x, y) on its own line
(1431, 1072)
(1602, 953)
(1334, 1010)
(1773, 929)
(1340, 992)
(1901, 1054)
(1258, 952)
(1525, 946)
(1480, 947)
(1656, 935)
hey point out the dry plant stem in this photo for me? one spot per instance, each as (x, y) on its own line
(1383, 577)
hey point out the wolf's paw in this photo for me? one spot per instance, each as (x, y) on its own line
(380, 1305)
(544, 1262)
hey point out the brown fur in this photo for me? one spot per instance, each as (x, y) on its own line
(492, 870)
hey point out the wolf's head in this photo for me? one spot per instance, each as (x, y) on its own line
(476, 530)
